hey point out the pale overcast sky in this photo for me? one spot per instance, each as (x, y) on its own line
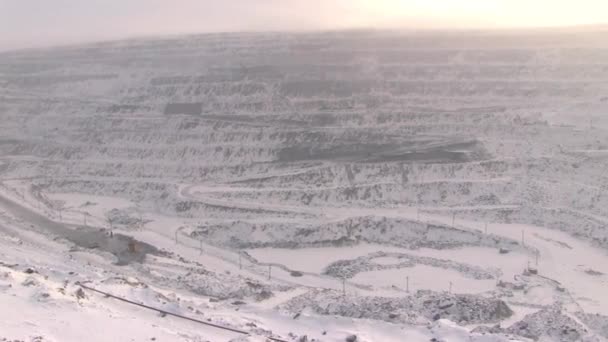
(27, 23)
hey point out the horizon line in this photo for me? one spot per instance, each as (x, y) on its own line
(387, 29)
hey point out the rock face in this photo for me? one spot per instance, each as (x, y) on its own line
(597, 322)
(552, 324)
(422, 306)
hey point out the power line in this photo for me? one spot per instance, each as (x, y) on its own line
(242, 332)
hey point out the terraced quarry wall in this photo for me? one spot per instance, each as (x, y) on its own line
(288, 121)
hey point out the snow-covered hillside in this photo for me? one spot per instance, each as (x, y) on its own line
(307, 187)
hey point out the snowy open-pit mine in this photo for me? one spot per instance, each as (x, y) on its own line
(389, 186)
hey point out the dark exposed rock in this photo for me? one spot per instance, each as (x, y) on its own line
(80, 293)
(296, 274)
(551, 323)
(467, 309)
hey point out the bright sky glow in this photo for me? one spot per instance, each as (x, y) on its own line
(26, 23)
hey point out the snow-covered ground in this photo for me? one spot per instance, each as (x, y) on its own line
(425, 277)
(391, 186)
(40, 281)
(316, 259)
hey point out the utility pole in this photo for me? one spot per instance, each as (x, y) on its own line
(176, 231)
(344, 287)
(407, 284)
(111, 227)
(450, 287)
